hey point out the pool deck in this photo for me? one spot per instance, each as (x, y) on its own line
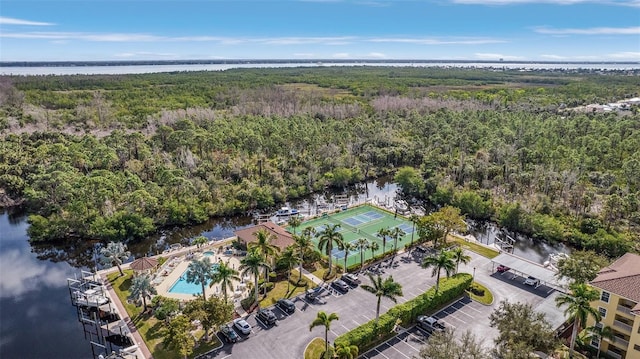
(180, 268)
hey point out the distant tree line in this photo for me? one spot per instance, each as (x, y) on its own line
(117, 157)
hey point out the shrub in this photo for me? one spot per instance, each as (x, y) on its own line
(368, 334)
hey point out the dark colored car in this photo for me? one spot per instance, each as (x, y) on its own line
(351, 279)
(502, 269)
(267, 316)
(229, 334)
(430, 324)
(340, 286)
(286, 305)
(311, 295)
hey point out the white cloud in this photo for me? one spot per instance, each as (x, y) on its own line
(553, 57)
(437, 41)
(632, 3)
(20, 276)
(625, 56)
(590, 31)
(144, 54)
(12, 21)
(376, 55)
(341, 55)
(342, 40)
(489, 56)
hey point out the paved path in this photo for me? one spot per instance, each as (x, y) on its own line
(143, 350)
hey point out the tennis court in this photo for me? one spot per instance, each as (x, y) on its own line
(361, 222)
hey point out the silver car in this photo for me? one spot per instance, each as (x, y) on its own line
(242, 326)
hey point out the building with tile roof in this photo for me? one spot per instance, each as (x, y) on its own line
(281, 238)
(619, 306)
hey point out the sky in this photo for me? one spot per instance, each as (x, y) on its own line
(511, 30)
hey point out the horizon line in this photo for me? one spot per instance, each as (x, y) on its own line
(276, 61)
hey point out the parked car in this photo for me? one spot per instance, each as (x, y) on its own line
(532, 281)
(267, 316)
(430, 324)
(242, 326)
(311, 295)
(229, 334)
(350, 279)
(286, 305)
(502, 269)
(340, 286)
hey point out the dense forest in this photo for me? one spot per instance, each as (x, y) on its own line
(117, 157)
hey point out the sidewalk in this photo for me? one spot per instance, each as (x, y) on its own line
(124, 316)
(313, 278)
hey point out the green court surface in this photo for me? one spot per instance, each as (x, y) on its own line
(361, 222)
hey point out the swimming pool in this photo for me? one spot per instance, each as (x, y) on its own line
(181, 286)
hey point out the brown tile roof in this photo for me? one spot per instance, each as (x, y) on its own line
(282, 239)
(622, 277)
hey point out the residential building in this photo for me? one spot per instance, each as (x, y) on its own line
(619, 306)
(281, 238)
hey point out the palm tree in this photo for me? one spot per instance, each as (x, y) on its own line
(225, 276)
(115, 253)
(440, 262)
(252, 264)
(326, 238)
(383, 233)
(414, 218)
(346, 351)
(200, 241)
(263, 245)
(599, 333)
(295, 222)
(383, 288)
(200, 271)
(579, 308)
(374, 246)
(396, 233)
(459, 257)
(347, 247)
(361, 244)
(302, 245)
(141, 288)
(288, 259)
(325, 320)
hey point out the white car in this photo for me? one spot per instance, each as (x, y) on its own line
(532, 281)
(242, 326)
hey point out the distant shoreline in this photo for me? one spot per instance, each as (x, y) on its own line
(292, 61)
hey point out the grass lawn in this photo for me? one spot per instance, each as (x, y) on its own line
(474, 247)
(315, 349)
(321, 270)
(480, 293)
(148, 326)
(280, 290)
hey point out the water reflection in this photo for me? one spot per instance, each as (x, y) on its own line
(38, 320)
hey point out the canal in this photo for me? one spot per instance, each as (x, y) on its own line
(37, 319)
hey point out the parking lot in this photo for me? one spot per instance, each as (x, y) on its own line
(460, 316)
(290, 335)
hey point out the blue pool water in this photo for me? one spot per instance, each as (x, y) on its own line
(181, 286)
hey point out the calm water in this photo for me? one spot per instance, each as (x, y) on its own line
(37, 319)
(143, 69)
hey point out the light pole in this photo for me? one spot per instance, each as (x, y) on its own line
(474, 273)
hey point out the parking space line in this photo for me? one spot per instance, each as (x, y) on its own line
(366, 317)
(381, 353)
(358, 324)
(403, 354)
(412, 347)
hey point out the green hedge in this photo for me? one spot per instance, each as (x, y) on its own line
(367, 335)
